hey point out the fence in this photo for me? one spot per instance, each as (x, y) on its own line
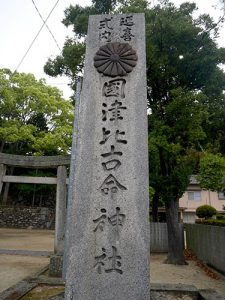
(207, 242)
(158, 238)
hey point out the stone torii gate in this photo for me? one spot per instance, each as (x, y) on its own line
(61, 181)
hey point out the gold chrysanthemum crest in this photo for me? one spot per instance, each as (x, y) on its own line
(115, 59)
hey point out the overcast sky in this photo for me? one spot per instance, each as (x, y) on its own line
(20, 22)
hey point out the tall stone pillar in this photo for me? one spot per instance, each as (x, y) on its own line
(108, 222)
(72, 167)
(60, 217)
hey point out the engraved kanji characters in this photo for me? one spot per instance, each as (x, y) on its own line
(100, 261)
(110, 184)
(114, 87)
(106, 33)
(112, 146)
(115, 220)
(113, 262)
(127, 21)
(127, 32)
(104, 112)
(112, 164)
(105, 23)
(117, 137)
(107, 134)
(114, 111)
(100, 221)
(112, 152)
(106, 28)
(116, 108)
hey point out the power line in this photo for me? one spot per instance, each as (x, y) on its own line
(36, 36)
(46, 25)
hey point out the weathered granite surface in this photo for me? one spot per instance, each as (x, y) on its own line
(60, 220)
(108, 221)
(55, 266)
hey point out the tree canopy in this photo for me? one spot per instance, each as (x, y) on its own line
(211, 174)
(34, 118)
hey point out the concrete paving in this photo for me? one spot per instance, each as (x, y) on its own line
(32, 243)
(189, 274)
(26, 239)
(16, 267)
(23, 253)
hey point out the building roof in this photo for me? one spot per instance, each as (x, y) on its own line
(193, 179)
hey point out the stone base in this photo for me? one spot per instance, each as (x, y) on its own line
(55, 266)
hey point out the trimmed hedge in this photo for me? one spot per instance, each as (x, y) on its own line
(205, 211)
(220, 217)
(211, 222)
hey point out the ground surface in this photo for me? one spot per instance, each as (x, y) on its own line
(16, 267)
(26, 239)
(190, 274)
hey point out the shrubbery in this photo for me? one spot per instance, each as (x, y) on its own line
(220, 217)
(211, 222)
(205, 211)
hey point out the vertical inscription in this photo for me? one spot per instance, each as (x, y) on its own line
(106, 30)
(113, 110)
(115, 59)
(108, 264)
(127, 23)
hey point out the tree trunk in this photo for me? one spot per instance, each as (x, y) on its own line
(175, 234)
(155, 205)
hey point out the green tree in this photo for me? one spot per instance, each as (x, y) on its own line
(182, 62)
(183, 80)
(211, 173)
(172, 143)
(34, 118)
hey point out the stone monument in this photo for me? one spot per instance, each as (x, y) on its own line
(107, 236)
